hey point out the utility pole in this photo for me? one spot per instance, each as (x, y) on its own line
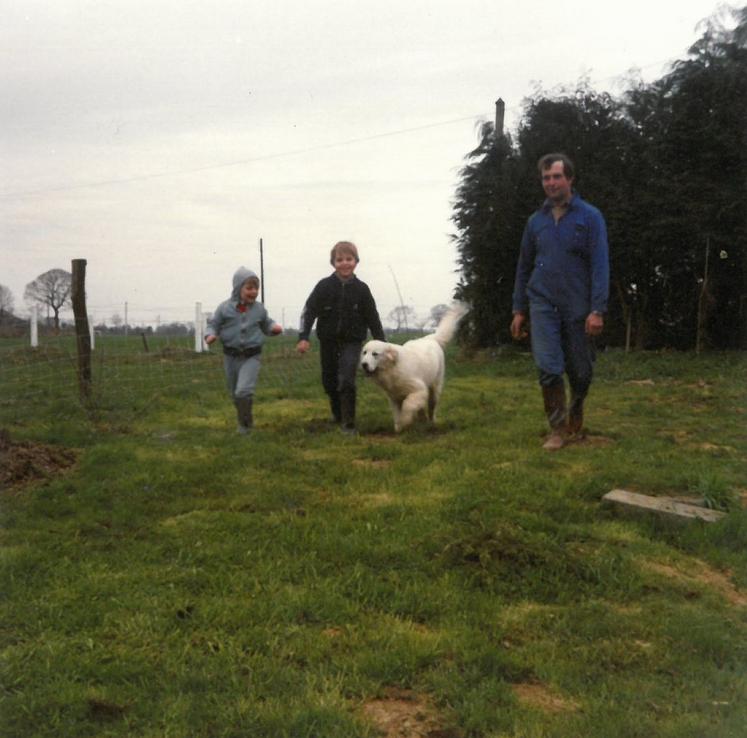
(401, 301)
(500, 112)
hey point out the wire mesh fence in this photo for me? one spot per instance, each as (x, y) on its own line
(128, 371)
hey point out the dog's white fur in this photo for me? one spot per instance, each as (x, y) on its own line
(412, 375)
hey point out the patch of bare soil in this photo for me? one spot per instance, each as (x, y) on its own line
(401, 713)
(539, 696)
(701, 573)
(26, 461)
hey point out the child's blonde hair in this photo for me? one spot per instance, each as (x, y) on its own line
(343, 247)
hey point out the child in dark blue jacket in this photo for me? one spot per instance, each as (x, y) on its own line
(344, 311)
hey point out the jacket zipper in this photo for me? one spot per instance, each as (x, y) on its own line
(340, 305)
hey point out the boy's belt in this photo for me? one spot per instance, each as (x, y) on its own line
(246, 353)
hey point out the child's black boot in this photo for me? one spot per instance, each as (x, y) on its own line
(244, 414)
(334, 406)
(347, 412)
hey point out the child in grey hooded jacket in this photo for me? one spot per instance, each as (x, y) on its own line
(242, 323)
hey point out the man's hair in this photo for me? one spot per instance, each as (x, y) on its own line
(549, 159)
(341, 248)
(253, 281)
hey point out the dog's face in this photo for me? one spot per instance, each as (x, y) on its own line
(376, 355)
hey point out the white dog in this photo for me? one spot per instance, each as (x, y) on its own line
(412, 375)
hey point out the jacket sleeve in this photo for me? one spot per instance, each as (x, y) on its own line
(373, 321)
(309, 314)
(600, 265)
(215, 322)
(524, 270)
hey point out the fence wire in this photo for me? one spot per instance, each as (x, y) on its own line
(130, 371)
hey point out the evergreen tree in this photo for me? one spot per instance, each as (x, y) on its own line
(702, 155)
(488, 235)
(665, 164)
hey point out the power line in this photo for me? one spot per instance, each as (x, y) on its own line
(235, 163)
(269, 157)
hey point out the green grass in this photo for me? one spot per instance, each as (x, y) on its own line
(185, 581)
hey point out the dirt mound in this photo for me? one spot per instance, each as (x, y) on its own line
(401, 713)
(26, 461)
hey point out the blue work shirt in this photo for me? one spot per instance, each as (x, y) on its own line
(564, 264)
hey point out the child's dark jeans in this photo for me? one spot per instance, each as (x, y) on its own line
(339, 367)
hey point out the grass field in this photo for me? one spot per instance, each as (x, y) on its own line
(458, 582)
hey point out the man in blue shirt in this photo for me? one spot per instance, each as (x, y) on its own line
(562, 284)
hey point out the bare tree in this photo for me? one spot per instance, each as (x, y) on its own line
(51, 289)
(400, 316)
(6, 302)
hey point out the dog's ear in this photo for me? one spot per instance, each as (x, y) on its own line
(391, 355)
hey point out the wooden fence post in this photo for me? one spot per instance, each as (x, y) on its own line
(82, 332)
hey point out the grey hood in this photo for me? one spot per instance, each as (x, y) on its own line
(241, 275)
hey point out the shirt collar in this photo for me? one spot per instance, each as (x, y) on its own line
(547, 204)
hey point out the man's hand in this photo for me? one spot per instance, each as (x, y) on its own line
(518, 332)
(303, 346)
(276, 329)
(210, 339)
(594, 324)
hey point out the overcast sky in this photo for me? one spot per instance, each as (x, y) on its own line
(161, 139)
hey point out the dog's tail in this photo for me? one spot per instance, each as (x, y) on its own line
(449, 322)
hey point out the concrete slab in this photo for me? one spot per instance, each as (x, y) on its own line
(665, 506)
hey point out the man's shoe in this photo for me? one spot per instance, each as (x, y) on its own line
(554, 399)
(554, 441)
